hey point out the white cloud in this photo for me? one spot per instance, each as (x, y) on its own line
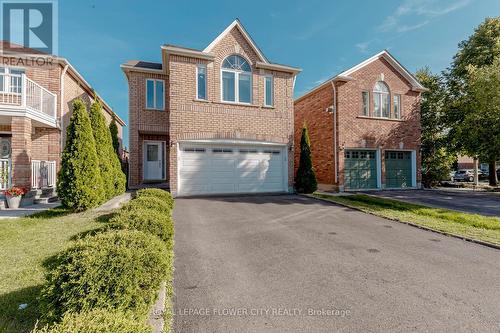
(419, 13)
(363, 46)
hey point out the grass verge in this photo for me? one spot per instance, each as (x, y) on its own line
(24, 244)
(473, 226)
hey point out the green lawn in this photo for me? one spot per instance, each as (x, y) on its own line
(24, 244)
(474, 226)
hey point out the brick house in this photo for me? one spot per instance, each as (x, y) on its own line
(36, 94)
(217, 120)
(364, 127)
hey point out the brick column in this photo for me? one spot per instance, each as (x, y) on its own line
(21, 151)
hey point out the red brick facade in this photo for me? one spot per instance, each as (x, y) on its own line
(352, 130)
(187, 118)
(30, 139)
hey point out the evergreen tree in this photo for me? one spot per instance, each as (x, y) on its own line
(109, 165)
(305, 180)
(113, 128)
(79, 182)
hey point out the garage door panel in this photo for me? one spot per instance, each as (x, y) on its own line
(360, 169)
(229, 169)
(398, 171)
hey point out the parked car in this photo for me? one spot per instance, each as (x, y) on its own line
(466, 175)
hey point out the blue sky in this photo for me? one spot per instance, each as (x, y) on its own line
(321, 37)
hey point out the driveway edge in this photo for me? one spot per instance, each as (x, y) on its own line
(472, 240)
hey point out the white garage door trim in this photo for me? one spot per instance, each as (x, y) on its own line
(260, 153)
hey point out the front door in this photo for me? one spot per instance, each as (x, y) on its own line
(154, 160)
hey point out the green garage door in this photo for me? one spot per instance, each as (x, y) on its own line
(398, 169)
(360, 169)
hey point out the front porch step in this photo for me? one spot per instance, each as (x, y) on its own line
(45, 200)
(44, 193)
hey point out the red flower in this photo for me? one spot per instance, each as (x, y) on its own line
(15, 191)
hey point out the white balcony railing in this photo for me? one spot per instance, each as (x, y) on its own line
(43, 174)
(5, 173)
(19, 92)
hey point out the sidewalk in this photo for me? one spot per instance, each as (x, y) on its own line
(27, 210)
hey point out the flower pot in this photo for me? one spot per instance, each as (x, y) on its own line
(13, 202)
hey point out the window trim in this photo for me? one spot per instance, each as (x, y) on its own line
(204, 66)
(269, 76)
(236, 82)
(380, 95)
(400, 104)
(368, 111)
(154, 94)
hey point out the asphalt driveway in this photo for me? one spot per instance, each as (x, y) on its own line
(464, 201)
(294, 264)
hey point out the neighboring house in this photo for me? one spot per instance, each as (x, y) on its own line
(364, 127)
(212, 121)
(36, 95)
(466, 162)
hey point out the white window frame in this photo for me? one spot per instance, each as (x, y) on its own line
(272, 90)
(154, 94)
(368, 104)
(7, 76)
(206, 85)
(400, 100)
(236, 83)
(380, 95)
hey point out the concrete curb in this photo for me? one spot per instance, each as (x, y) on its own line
(156, 315)
(472, 240)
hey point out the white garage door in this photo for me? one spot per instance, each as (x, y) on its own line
(225, 169)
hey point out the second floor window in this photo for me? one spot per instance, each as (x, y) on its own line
(11, 80)
(236, 80)
(201, 82)
(397, 106)
(155, 94)
(381, 101)
(268, 88)
(365, 95)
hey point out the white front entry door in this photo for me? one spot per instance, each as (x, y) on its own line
(154, 160)
(225, 169)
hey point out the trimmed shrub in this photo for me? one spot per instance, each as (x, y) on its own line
(79, 182)
(305, 180)
(113, 129)
(147, 220)
(97, 321)
(154, 203)
(109, 165)
(119, 270)
(157, 193)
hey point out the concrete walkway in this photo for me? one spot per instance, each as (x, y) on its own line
(27, 210)
(114, 203)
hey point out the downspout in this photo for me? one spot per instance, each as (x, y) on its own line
(61, 108)
(336, 174)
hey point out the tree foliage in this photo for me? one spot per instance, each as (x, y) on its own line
(109, 164)
(305, 180)
(482, 49)
(436, 160)
(113, 128)
(79, 182)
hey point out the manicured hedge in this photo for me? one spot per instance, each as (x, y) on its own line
(119, 270)
(156, 193)
(142, 203)
(98, 321)
(150, 221)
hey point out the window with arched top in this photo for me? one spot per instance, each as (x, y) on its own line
(381, 100)
(236, 80)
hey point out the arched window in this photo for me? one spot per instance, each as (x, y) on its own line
(236, 80)
(381, 100)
